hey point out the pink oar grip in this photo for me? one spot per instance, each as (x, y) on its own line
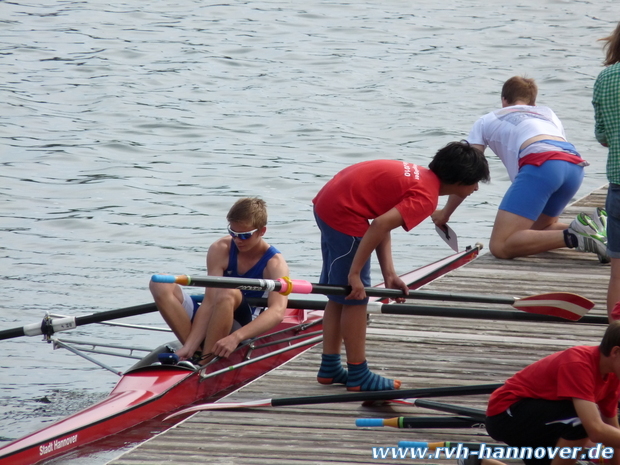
(298, 286)
(302, 287)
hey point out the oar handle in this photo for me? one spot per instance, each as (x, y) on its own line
(368, 422)
(283, 285)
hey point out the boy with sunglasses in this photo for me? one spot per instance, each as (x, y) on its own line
(224, 318)
(391, 194)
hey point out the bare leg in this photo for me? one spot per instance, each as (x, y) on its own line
(221, 309)
(213, 321)
(332, 334)
(353, 328)
(169, 298)
(572, 444)
(516, 236)
(613, 291)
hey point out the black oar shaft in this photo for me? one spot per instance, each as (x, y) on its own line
(474, 413)
(11, 333)
(452, 312)
(387, 395)
(422, 295)
(88, 319)
(439, 422)
(326, 289)
(116, 314)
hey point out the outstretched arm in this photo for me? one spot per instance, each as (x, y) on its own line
(377, 237)
(441, 216)
(603, 430)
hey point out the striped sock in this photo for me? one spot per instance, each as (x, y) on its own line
(362, 379)
(331, 370)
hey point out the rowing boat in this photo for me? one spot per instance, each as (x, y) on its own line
(149, 390)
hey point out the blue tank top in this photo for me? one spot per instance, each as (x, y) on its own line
(256, 272)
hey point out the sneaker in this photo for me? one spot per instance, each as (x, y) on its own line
(601, 220)
(589, 239)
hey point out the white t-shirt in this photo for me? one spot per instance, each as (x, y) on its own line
(504, 130)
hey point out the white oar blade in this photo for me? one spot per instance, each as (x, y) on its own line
(449, 236)
(222, 406)
(561, 304)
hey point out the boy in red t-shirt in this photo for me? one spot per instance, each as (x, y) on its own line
(564, 400)
(391, 193)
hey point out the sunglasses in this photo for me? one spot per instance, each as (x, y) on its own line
(241, 235)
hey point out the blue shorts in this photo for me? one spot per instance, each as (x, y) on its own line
(612, 206)
(543, 189)
(338, 251)
(243, 315)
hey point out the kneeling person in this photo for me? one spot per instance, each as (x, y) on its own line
(564, 400)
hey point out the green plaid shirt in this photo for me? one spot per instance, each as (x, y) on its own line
(606, 103)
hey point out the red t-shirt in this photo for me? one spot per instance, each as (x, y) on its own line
(366, 190)
(572, 373)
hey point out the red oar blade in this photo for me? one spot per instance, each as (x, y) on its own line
(561, 304)
(222, 406)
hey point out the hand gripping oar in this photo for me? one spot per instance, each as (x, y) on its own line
(562, 304)
(351, 397)
(401, 422)
(50, 326)
(451, 312)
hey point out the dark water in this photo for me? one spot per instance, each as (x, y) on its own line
(128, 129)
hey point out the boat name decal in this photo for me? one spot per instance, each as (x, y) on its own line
(57, 444)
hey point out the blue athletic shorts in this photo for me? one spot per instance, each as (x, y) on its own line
(612, 206)
(543, 189)
(243, 315)
(338, 251)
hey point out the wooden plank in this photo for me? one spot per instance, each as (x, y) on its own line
(420, 351)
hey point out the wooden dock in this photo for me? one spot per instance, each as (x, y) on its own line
(420, 351)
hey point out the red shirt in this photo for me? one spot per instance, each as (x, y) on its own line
(572, 373)
(366, 190)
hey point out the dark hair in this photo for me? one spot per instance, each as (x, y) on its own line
(611, 338)
(520, 88)
(612, 47)
(460, 163)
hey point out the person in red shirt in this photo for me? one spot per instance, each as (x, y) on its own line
(356, 211)
(564, 400)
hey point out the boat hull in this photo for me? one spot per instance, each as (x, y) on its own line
(147, 391)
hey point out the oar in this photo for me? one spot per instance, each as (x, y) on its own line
(50, 326)
(409, 422)
(439, 422)
(351, 397)
(562, 304)
(476, 414)
(452, 312)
